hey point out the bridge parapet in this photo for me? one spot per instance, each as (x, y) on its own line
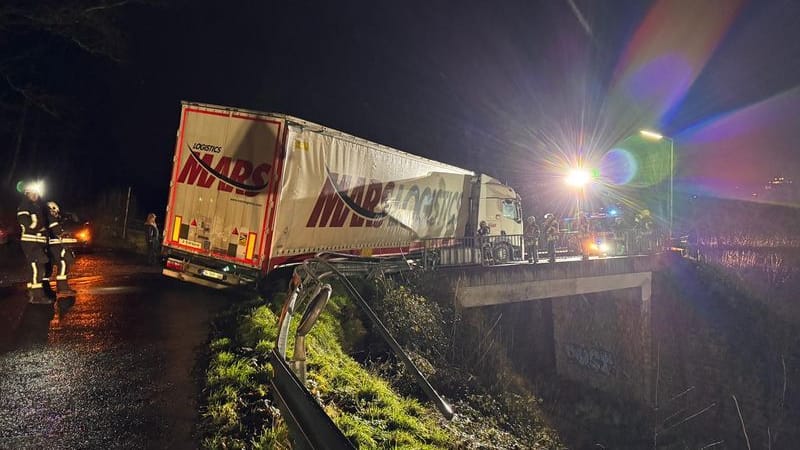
(482, 286)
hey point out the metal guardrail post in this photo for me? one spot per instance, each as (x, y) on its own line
(297, 295)
(422, 382)
(309, 425)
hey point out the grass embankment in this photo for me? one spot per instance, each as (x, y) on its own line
(374, 403)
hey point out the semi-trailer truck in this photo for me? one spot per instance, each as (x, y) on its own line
(254, 191)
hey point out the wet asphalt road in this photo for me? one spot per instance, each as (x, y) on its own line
(117, 367)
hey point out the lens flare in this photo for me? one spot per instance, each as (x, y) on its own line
(668, 52)
(618, 166)
(734, 155)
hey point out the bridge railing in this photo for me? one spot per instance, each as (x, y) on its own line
(472, 250)
(491, 250)
(607, 243)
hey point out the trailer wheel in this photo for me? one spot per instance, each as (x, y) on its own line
(502, 253)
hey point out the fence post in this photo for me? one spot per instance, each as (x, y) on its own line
(125, 222)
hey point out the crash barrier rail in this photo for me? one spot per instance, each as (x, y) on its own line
(486, 250)
(311, 294)
(490, 250)
(309, 425)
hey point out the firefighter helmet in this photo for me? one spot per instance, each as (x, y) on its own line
(55, 211)
(532, 220)
(33, 187)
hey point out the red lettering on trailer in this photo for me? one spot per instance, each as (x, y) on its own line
(192, 172)
(223, 168)
(240, 173)
(330, 209)
(337, 200)
(357, 194)
(260, 176)
(371, 199)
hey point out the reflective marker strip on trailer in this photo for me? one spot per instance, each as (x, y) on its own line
(251, 246)
(176, 229)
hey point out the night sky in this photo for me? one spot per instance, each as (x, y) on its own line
(513, 89)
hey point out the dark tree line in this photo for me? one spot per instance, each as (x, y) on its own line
(42, 46)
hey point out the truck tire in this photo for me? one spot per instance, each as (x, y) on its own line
(502, 253)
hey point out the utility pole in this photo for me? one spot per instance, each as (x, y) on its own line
(125, 222)
(12, 168)
(671, 178)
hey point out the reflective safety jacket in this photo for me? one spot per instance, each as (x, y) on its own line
(644, 224)
(32, 220)
(551, 229)
(532, 230)
(56, 230)
(583, 226)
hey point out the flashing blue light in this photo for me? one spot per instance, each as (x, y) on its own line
(612, 212)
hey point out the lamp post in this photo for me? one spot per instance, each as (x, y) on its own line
(652, 135)
(578, 178)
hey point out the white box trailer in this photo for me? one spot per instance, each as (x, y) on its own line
(253, 191)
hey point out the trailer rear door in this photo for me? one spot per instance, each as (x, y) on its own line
(222, 184)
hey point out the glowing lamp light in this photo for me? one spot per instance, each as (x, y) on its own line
(651, 135)
(612, 212)
(31, 186)
(578, 177)
(84, 235)
(601, 248)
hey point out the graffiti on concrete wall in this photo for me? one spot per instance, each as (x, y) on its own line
(595, 359)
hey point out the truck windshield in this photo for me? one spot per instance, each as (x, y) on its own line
(511, 210)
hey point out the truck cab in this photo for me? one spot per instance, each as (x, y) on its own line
(501, 208)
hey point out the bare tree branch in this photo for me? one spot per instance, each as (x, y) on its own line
(92, 9)
(30, 97)
(690, 417)
(744, 429)
(87, 27)
(783, 395)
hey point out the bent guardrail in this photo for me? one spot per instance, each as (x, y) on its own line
(309, 425)
(308, 292)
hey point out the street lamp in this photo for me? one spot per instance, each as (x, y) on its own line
(578, 178)
(652, 135)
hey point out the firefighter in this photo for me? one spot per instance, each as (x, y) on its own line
(551, 234)
(32, 220)
(644, 231)
(532, 233)
(620, 229)
(584, 234)
(61, 255)
(483, 228)
(483, 243)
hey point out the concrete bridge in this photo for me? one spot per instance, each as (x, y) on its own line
(597, 314)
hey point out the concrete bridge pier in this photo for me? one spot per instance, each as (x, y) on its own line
(601, 315)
